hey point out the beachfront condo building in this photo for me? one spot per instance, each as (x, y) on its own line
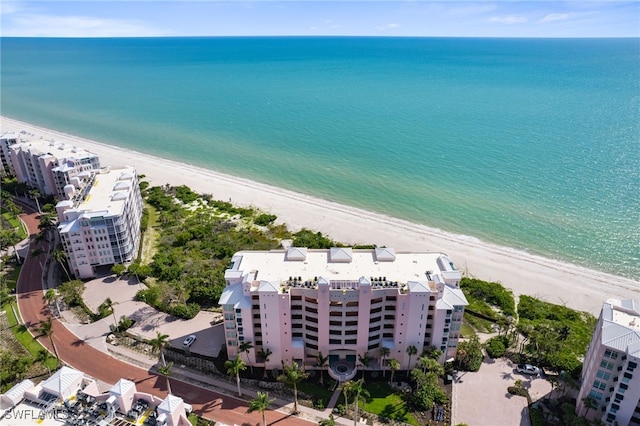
(99, 221)
(49, 166)
(343, 303)
(610, 374)
(7, 140)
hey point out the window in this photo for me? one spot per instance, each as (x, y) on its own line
(335, 341)
(599, 385)
(611, 354)
(338, 323)
(603, 375)
(595, 395)
(350, 342)
(606, 364)
(632, 366)
(336, 332)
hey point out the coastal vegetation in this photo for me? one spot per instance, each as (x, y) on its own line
(547, 334)
(195, 237)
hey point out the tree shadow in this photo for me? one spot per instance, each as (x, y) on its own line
(78, 343)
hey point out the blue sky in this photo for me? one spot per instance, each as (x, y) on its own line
(93, 18)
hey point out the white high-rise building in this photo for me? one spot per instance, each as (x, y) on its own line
(609, 375)
(343, 303)
(7, 140)
(49, 165)
(99, 223)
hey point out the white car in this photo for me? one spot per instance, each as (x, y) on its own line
(189, 340)
(527, 369)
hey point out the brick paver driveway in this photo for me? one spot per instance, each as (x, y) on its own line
(481, 398)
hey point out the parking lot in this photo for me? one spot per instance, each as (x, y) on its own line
(148, 320)
(481, 398)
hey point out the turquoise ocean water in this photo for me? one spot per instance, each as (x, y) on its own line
(528, 143)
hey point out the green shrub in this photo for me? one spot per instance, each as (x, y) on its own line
(469, 355)
(309, 239)
(495, 347)
(489, 292)
(187, 311)
(265, 219)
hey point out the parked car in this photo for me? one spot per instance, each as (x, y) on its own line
(528, 369)
(189, 340)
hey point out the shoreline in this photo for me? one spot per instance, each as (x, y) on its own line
(554, 281)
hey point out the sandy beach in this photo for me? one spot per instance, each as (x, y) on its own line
(557, 282)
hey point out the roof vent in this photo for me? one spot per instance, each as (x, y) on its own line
(341, 254)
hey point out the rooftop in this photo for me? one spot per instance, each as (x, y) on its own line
(621, 325)
(59, 150)
(107, 193)
(299, 266)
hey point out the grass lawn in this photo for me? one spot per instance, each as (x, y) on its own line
(316, 391)
(479, 324)
(384, 402)
(467, 331)
(12, 280)
(23, 336)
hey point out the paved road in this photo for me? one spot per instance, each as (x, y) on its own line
(74, 352)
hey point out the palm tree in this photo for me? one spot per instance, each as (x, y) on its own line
(346, 390)
(245, 347)
(42, 358)
(430, 365)
(260, 403)
(292, 375)
(36, 194)
(322, 363)
(590, 404)
(264, 356)
(60, 256)
(394, 365)
(356, 388)
(46, 224)
(159, 344)
(51, 297)
(46, 329)
(36, 252)
(234, 368)
(327, 422)
(165, 370)
(384, 353)
(364, 359)
(411, 350)
(108, 304)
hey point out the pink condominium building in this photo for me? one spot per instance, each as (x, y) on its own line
(610, 375)
(49, 165)
(344, 303)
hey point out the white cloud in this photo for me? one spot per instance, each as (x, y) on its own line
(36, 25)
(508, 20)
(555, 17)
(391, 26)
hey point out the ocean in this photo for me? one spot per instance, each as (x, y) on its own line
(527, 143)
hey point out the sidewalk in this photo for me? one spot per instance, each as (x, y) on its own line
(95, 335)
(221, 386)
